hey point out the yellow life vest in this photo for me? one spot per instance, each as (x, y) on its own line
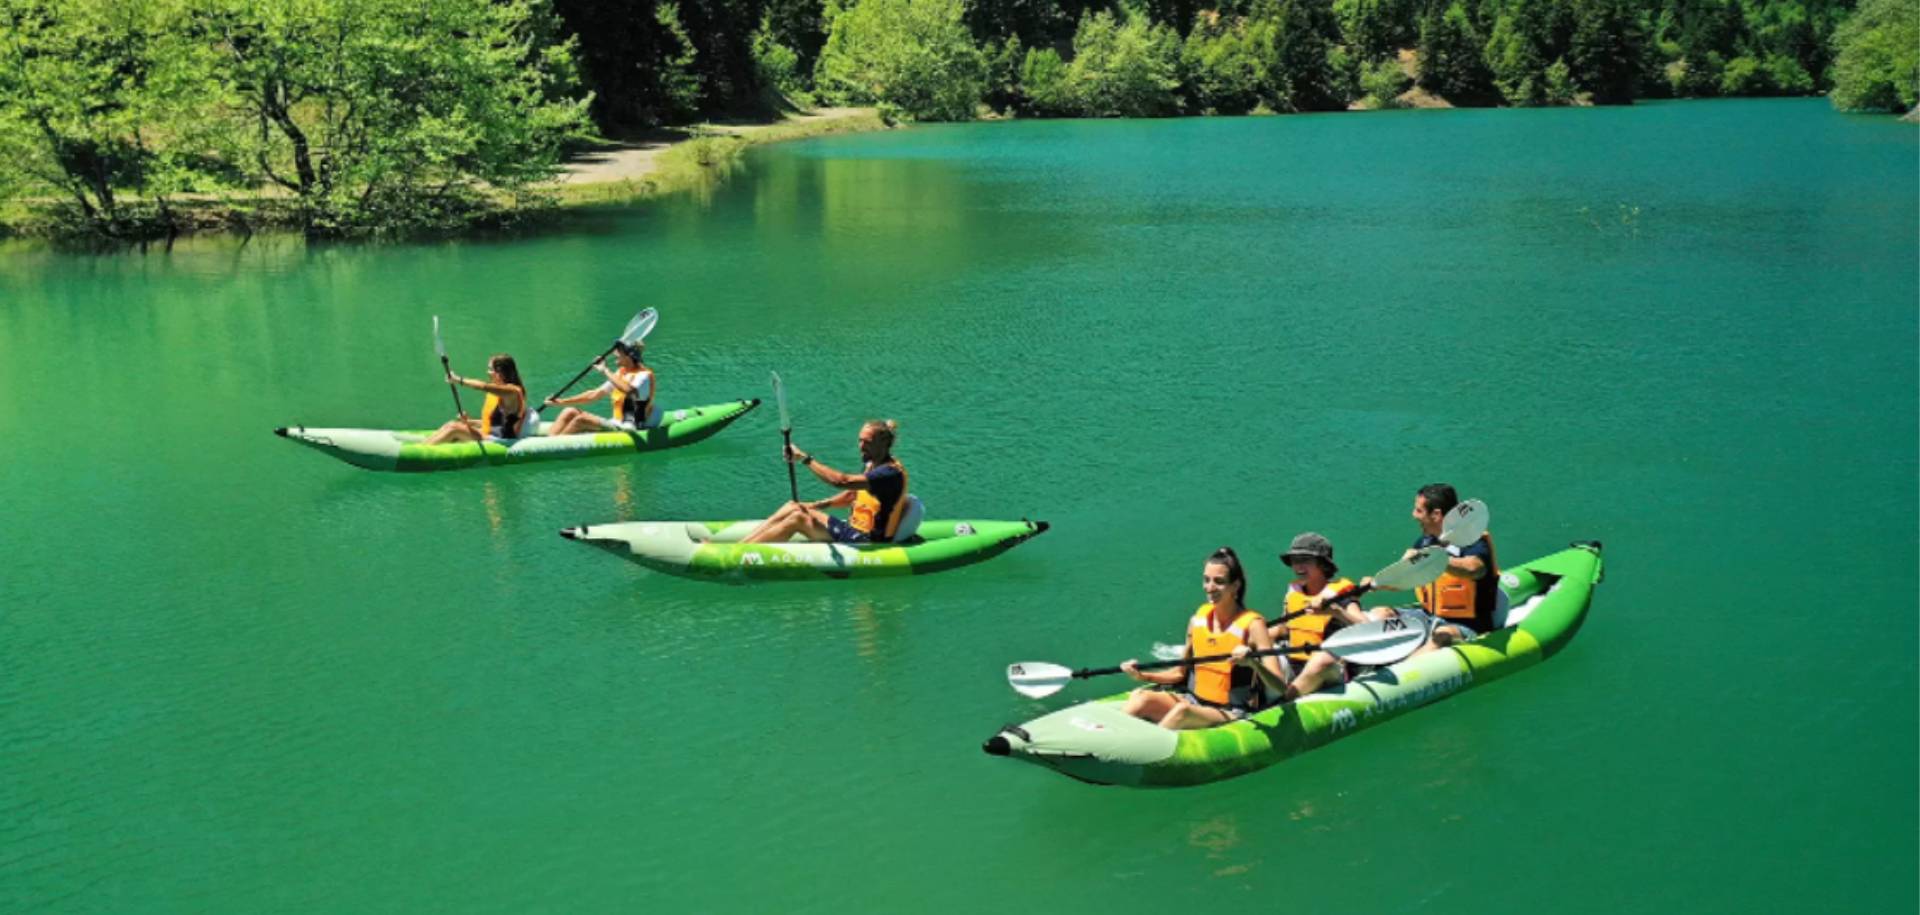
(1216, 682)
(493, 415)
(1453, 597)
(1307, 632)
(866, 507)
(625, 405)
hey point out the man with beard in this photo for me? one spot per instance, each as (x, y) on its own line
(878, 496)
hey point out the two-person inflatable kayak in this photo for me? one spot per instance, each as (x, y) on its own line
(711, 549)
(1096, 742)
(385, 449)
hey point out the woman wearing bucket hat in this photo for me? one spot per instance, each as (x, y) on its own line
(1318, 594)
(631, 387)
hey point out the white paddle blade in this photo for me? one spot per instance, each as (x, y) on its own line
(1424, 568)
(780, 397)
(641, 325)
(1382, 641)
(439, 348)
(1165, 652)
(1037, 679)
(1466, 524)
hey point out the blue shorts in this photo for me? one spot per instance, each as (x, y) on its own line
(842, 532)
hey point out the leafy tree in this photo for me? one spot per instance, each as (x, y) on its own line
(1296, 35)
(1605, 50)
(1557, 87)
(1876, 63)
(680, 81)
(1219, 66)
(1382, 82)
(913, 57)
(1124, 69)
(102, 99)
(1788, 76)
(777, 65)
(383, 113)
(1451, 65)
(1003, 74)
(1044, 88)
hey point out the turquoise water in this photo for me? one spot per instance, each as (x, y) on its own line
(238, 676)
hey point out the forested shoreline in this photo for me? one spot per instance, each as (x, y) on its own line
(364, 117)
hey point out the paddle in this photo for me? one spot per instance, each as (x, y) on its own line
(786, 434)
(636, 330)
(441, 347)
(1359, 644)
(1465, 524)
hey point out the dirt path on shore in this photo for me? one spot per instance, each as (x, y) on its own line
(636, 157)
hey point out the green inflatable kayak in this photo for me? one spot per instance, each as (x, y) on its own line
(710, 549)
(1095, 742)
(384, 449)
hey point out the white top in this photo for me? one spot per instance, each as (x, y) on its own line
(642, 385)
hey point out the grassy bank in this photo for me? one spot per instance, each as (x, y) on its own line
(714, 151)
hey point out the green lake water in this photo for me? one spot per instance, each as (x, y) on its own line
(238, 676)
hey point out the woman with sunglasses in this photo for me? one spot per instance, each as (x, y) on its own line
(1218, 691)
(502, 414)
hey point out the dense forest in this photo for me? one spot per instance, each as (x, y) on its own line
(950, 59)
(347, 117)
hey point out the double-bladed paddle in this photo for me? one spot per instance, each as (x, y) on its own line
(1359, 644)
(637, 329)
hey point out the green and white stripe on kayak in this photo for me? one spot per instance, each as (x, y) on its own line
(406, 451)
(711, 549)
(1096, 742)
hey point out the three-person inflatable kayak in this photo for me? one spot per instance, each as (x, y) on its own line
(1096, 742)
(711, 549)
(385, 449)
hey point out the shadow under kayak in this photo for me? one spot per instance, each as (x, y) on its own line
(406, 452)
(1097, 742)
(710, 549)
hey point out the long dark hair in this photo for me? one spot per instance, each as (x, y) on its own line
(510, 372)
(1227, 557)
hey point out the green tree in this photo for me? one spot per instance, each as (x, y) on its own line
(1451, 65)
(680, 81)
(380, 114)
(1124, 69)
(1605, 50)
(1294, 37)
(1044, 89)
(778, 66)
(912, 57)
(1382, 82)
(102, 100)
(1219, 66)
(1876, 62)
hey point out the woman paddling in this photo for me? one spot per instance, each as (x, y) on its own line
(501, 416)
(1221, 691)
(630, 387)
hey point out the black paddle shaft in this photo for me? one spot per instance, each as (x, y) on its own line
(583, 372)
(793, 482)
(454, 388)
(1084, 673)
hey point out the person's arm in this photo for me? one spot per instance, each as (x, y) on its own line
(837, 500)
(613, 379)
(500, 390)
(1172, 676)
(1267, 668)
(583, 397)
(1472, 561)
(828, 475)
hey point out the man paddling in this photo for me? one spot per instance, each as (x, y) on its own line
(1469, 594)
(878, 496)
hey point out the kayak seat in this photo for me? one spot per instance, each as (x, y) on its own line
(910, 518)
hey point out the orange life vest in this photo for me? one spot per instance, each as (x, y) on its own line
(1307, 632)
(494, 415)
(628, 407)
(1221, 682)
(866, 507)
(1453, 597)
